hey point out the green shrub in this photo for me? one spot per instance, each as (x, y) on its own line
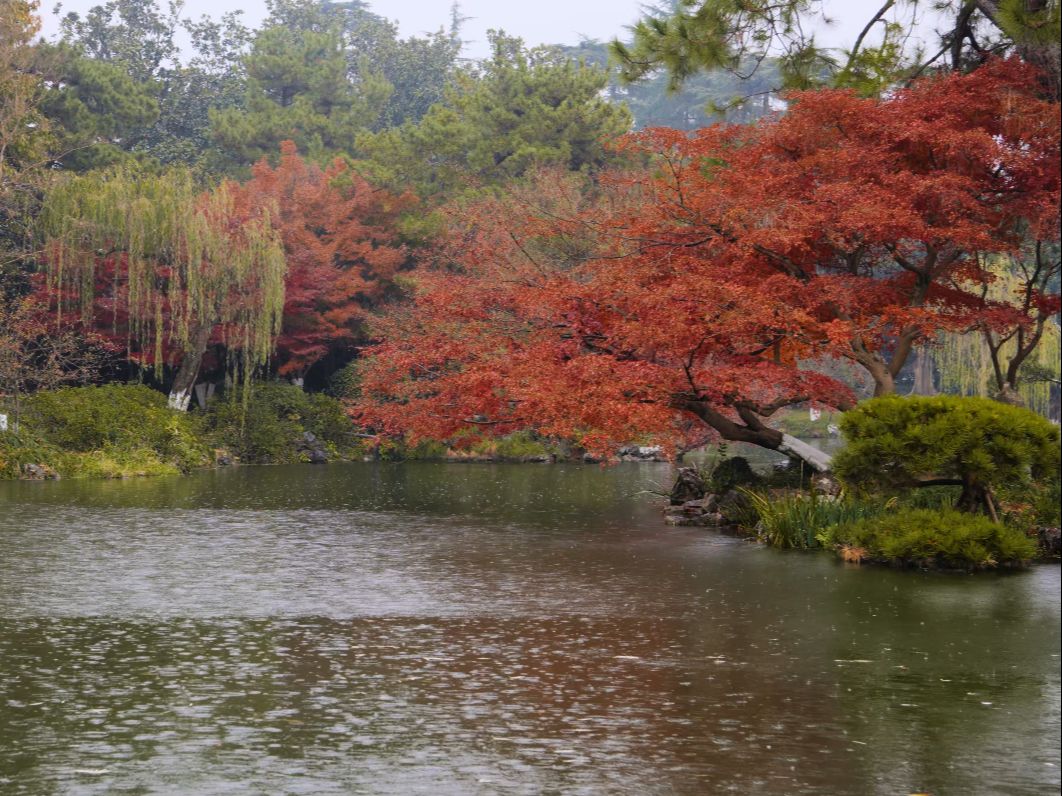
(114, 463)
(117, 419)
(22, 447)
(933, 497)
(516, 446)
(346, 382)
(270, 425)
(794, 520)
(926, 537)
(395, 450)
(895, 444)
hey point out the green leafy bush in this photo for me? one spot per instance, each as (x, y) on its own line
(895, 444)
(114, 431)
(116, 419)
(926, 537)
(269, 426)
(346, 382)
(513, 447)
(794, 520)
(22, 447)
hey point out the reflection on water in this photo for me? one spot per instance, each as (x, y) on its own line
(491, 629)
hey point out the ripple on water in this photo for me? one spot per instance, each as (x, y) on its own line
(379, 631)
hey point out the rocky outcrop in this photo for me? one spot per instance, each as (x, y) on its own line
(691, 504)
(641, 453)
(1049, 541)
(689, 486)
(312, 448)
(38, 472)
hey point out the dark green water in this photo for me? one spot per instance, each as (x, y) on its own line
(428, 628)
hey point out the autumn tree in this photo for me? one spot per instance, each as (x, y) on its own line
(1013, 326)
(20, 116)
(537, 317)
(26, 143)
(36, 356)
(849, 228)
(163, 269)
(341, 243)
(882, 210)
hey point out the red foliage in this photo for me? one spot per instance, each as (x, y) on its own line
(848, 227)
(879, 210)
(341, 245)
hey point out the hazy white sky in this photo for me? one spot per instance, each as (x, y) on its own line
(536, 21)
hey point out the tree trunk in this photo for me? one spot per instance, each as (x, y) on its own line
(184, 381)
(976, 498)
(765, 437)
(1010, 395)
(819, 460)
(1048, 59)
(923, 374)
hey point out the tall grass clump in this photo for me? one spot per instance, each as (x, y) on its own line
(794, 520)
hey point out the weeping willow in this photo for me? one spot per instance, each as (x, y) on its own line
(965, 364)
(184, 260)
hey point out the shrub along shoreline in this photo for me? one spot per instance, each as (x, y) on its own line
(940, 482)
(127, 430)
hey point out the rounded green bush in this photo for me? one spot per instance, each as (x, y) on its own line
(117, 419)
(927, 537)
(894, 444)
(267, 427)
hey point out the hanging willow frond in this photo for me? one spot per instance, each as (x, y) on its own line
(183, 258)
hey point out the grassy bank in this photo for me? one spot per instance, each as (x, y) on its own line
(126, 430)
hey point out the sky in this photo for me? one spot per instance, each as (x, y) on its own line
(536, 21)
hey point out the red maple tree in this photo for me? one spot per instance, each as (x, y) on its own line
(848, 227)
(342, 249)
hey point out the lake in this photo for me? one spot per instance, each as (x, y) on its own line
(477, 629)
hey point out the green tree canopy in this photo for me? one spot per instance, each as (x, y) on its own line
(895, 444)
(683, 37)
(299, 88)
(139, 38)
(518, 109)
(94, 106)
(704, 98)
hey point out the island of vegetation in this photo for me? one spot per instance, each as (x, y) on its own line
(319, 241)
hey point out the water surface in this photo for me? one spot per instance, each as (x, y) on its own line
(441, 628)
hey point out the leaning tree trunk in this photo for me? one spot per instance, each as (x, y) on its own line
(818, 460)
(756, 433)
(184, 381)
